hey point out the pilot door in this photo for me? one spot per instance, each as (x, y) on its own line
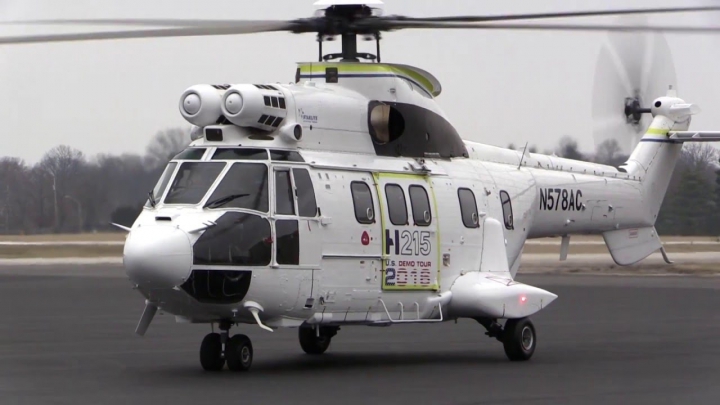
(410, 240)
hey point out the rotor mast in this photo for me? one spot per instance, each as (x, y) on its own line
(346, 20)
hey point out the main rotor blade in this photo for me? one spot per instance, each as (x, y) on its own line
(547, 27)
(150, 33)
(147, 22)
(537, 16)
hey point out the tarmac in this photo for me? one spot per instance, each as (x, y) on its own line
(66, 337)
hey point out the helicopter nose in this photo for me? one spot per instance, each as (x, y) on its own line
(157, 257)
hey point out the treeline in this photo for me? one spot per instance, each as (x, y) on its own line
(67, 191)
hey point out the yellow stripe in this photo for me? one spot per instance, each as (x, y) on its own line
(377, 177)
(319, 68)
(437, 231)
(657, 131)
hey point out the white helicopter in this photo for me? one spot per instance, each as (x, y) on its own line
(347, 197)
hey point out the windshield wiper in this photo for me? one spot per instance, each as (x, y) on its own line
(224, 200)
(152, 198)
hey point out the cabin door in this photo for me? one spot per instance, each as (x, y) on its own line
(410, 241)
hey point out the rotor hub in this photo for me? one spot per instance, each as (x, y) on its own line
(633, 110)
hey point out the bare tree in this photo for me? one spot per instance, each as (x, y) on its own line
(610, 153)
(568, 148)
(699, 156)
(166, 144)
(63, 168)
(13, 199)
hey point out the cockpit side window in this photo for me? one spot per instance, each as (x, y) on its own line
(162, 183)
(284, 202)
(192, 181)
(237, 239)
(307, 206)
(245, 185)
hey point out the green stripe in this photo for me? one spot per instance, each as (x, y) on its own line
(319, 68)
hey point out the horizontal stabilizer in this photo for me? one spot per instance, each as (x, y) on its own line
(629, 246)
(695, 136)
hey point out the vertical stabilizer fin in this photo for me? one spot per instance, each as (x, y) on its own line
(629, 246)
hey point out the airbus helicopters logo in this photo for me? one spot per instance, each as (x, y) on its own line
(313, 119)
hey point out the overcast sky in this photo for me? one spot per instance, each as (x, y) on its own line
(498, 86)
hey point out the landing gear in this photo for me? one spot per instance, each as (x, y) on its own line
(518, 336)
(316, 340)
(217, 348)
(211, 353)
(239, 353)
(519, 339)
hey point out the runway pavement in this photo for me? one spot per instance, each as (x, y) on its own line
(66, 337)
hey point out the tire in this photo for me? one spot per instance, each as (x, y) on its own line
(311, 343)
(239, 353)
(519, 339)
(211, 358)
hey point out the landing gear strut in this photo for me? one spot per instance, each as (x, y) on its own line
(316, 340)
(518, 336)
(218, 348)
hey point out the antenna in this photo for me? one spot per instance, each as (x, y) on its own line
(523, 155)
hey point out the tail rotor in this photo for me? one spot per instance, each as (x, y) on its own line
(632, 70)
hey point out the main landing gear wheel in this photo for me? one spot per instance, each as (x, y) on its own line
(239, 353)
(211, 355)
(311, 343)
(519, 339)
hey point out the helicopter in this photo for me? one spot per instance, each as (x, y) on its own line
(346, 197)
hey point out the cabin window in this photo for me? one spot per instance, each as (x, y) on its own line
(362, 202)
(239, 154)
(238, 239)
(288, 242)
(286, 156)
(192, 181)
(162, 183)
(507, 209)
(284, 202)
(307, 206)
(244, 186)
(420, 206)
(397, 206)
(468, 208)
(190, 154)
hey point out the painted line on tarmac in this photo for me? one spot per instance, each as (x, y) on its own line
(63, 243)
(60, 260)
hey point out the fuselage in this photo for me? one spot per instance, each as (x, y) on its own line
(317, 231)
(354, 203)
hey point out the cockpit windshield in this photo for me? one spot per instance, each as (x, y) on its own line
(244, 186)
(192, 182)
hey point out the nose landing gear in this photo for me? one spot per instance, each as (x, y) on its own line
(217, 349)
